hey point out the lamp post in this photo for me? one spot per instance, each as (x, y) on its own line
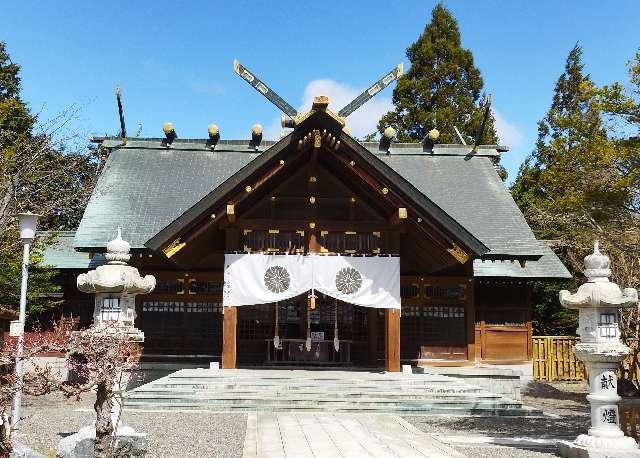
(27, 222)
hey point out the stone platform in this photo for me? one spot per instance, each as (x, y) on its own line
(278, 390)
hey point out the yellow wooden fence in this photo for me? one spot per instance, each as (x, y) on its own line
(553, 359)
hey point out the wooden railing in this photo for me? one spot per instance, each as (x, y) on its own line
(553, 359)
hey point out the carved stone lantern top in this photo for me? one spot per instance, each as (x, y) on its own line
(598, 291)
(116, 276)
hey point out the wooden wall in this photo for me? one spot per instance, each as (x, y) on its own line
(503, 321)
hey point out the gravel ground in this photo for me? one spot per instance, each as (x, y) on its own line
(171, 434)
(208, 434)
(566, 414)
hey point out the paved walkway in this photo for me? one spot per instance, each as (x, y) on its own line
(303, 435)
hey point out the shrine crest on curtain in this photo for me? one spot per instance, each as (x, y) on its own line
(256, 278)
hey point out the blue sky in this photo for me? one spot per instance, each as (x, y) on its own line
(173, 59)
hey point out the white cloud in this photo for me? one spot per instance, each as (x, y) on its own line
(509, 134)
(363, 121)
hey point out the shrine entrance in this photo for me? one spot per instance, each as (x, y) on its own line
(305, 337)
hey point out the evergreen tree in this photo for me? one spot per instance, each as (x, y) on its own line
(441, 89)
(576, 185)
(39, 174)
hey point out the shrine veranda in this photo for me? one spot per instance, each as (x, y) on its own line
(467, 258)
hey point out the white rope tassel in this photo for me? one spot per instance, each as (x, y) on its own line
(308, 342)
(336, 341)
(276, 338)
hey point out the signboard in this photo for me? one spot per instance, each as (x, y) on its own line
(317, 336)
(16, 328)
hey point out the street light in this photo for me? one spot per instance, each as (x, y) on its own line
(27, 222)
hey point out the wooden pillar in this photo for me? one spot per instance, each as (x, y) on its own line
(372, 336)
(392, 340)
(229, 327)
(230, 321)
(470, 315)
(529, 303)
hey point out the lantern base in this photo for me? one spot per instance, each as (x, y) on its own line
(586, 446)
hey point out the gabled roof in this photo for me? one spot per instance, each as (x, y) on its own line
(317, 119)
(146, 187)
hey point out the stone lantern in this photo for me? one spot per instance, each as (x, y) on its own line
(115, 286)
(601, 350)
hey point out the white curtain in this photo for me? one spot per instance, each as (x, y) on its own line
(265, 278)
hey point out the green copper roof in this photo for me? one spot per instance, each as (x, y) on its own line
(144, 186)
(61, 254)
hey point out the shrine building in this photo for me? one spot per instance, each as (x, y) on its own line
(315, 250)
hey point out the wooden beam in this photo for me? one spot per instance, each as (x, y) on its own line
(392, 340)
(393, 198)
(229, 327)
(321, 224)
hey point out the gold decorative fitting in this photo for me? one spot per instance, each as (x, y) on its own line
(173, 248)
(376, 234)
(352, 163)
(458, 253)
(312, 225)
(323, 233)
(213, 216)
(317, 139)
(273, 198)
(248, 189)
(353, 200)
(281, 161)
(419, 220)
(274, 231)
(385, 191)
(320, 102)
(213, 131)
(312, 200)
(312, 179)
(247, 231)
(300, 232)
(402, 213)
(167, 128)
(350, 232)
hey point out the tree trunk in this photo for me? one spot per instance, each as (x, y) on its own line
(104, 427)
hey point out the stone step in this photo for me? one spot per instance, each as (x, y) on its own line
(398, 410)
(306, 380)
(432, 388)
(381, 405)
(318, 391)
(307, 394)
